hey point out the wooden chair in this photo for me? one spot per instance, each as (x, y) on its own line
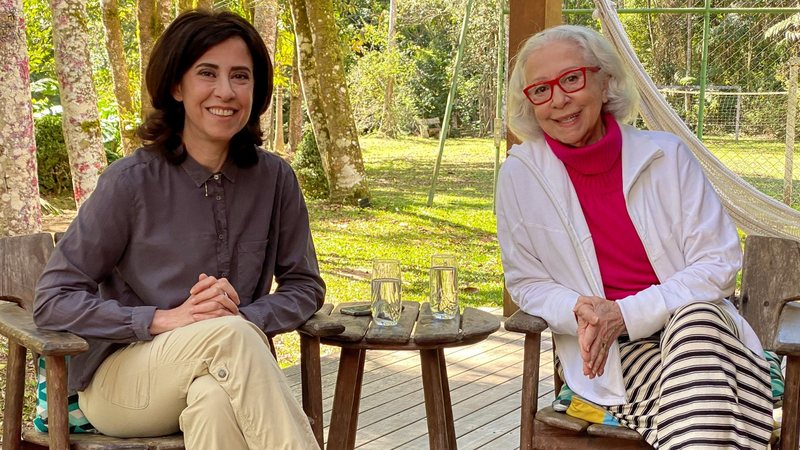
(23, 258)
(770, 281)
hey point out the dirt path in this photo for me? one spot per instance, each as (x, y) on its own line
(55, 223)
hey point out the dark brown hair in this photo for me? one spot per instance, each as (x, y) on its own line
(184, 41)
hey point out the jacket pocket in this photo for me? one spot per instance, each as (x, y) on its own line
(250, 262)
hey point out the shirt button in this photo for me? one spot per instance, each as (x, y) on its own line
(222, 373)
(224, 274)
(216, 177)
(221, 237)
(219, 197)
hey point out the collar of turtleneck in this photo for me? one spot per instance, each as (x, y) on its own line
(594, 158)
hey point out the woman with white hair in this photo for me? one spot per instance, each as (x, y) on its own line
(614, 236)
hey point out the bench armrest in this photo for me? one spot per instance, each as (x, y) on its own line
(522, 322)
(787, 336)
(17, 324)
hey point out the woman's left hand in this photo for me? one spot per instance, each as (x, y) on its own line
(602, 323)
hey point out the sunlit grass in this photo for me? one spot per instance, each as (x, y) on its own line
(400, 225)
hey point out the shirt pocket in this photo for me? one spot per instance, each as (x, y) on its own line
(250, 263)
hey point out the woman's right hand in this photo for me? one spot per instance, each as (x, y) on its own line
(209, 298)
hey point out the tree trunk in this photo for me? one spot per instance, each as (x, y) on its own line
(119, 75)
(165, 12)
(295, 110)
(278, 146)
(20, 212)
(145, 13)
(387, 124)
(329, 110)
(265, 21)
(81, 122)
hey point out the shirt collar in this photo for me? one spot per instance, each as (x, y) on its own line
(200, 174)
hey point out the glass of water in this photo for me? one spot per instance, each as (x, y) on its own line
(444, 286)
(386, 302)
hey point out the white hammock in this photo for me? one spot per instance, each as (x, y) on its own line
(753, 211)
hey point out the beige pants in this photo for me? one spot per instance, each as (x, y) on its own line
(215, 380)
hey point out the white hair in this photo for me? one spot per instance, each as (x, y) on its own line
(623, 98)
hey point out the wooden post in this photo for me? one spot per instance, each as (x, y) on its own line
(526, 17)
(791, 112)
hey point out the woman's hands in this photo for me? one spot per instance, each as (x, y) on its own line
(209, 298)
(600, 323)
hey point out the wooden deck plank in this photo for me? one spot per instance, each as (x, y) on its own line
(485, 384)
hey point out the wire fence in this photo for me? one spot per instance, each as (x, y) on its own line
(741, 60)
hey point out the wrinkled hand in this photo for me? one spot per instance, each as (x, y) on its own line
(600, 323)
(209, 298)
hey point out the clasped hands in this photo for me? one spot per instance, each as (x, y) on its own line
(600, 323)
(209, 298)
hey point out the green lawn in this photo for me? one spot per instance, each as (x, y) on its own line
(760, 162)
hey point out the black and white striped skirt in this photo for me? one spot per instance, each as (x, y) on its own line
(696, 385)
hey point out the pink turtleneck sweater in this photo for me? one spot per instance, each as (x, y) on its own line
(596, 174)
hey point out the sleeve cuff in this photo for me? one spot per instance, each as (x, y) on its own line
(644, 314)
(142, 318)
(252, 315)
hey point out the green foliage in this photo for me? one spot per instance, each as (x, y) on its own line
(307, 165)
(38, 31)
(367, 82)
(51, 156)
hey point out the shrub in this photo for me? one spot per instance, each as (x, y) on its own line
(51, 156)
(307, 165)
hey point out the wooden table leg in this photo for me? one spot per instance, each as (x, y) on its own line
(311, 376)
(344, 417)
(448, 406)
(437, 411)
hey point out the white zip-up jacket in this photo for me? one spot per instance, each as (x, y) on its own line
(549, 258)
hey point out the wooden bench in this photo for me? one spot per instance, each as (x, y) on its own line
(22, 260)
(429, 127)
(770, 287)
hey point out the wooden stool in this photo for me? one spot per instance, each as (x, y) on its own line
(430, 337)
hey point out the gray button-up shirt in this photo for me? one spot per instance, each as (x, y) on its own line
(150, 228)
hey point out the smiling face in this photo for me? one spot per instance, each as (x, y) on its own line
(217, 95)
(573, 119)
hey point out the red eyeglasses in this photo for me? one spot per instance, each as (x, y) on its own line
(570, 81)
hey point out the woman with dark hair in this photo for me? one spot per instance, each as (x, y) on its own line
(614, 236)
(168, 269)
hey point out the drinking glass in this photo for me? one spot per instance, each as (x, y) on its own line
(444, 286)
(386, 302)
